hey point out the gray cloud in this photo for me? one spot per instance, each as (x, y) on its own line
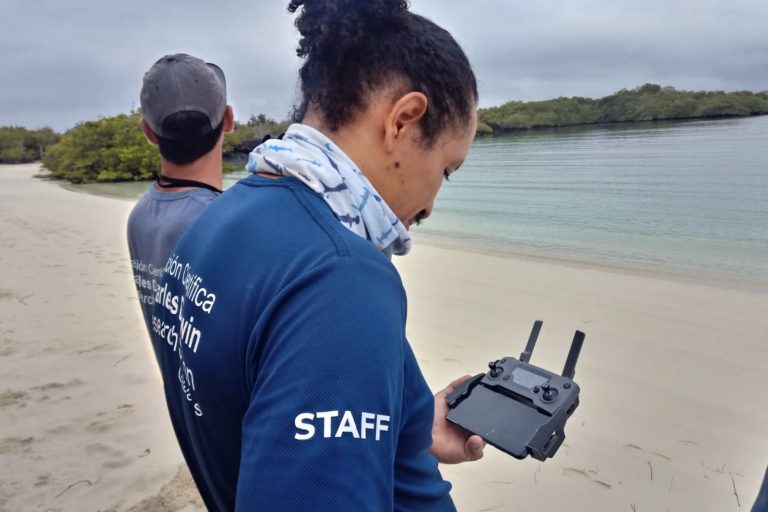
(64, 62)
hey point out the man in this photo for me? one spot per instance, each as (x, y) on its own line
(184, 113)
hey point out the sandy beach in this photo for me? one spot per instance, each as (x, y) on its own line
(673, 414)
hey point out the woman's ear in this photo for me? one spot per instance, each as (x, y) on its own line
(403, 118)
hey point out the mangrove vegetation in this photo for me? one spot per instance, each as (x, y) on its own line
(114, 148)
(19, 145)
(649, 102)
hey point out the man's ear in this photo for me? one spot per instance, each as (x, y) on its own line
(403, 118)
(148, 133)
(228, 123)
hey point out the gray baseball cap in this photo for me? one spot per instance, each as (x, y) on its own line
(182, 83)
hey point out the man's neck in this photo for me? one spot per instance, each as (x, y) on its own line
(206, 169)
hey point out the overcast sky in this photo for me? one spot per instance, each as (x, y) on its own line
(64, 61)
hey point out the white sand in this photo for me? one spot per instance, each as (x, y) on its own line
(673, 411)
(672, 416)
(84, 424)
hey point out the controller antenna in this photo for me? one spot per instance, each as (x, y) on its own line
(526, 355)
(573, 355)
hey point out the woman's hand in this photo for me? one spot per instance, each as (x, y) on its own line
(450, 444)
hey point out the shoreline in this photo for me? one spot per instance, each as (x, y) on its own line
(607, 124)
(662, 422)
(697, 276)
(711, 280)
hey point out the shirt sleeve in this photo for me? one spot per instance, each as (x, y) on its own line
(326, 392)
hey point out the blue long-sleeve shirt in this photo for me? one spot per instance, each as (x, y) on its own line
(281, 339)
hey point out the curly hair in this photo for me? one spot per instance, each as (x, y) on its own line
(352, 48)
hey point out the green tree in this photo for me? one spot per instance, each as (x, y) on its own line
(247, 136)
(648, 102)
(110, 149)
(19, 145)
(115, 149)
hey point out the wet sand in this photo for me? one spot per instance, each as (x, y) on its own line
(672, 414)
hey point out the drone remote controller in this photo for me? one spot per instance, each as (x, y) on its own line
(517, 407)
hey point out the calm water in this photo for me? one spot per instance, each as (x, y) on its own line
(688, 198)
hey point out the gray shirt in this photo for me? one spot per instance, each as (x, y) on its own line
(154, 227)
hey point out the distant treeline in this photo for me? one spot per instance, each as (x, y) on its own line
(19, 145)
(114, 149)
(649, 102)
(249, 135)
(110, 149)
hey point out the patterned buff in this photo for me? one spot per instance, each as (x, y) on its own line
(310, 156)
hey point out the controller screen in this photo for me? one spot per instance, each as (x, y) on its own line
(527, 379)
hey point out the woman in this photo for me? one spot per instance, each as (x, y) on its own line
(280, 324)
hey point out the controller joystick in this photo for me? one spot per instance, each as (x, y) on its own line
(549, 393)
(496, 370)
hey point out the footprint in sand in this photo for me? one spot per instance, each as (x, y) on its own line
(10, 398)
(117, 463)
(42, 480)
(104, 424)
(7, 295)
(19, 398)
(58, 385)
(59, 430)
(6, 348)
(16, 445)
(115, 458)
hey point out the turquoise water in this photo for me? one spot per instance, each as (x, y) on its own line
(686, 198)
(690, 198)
